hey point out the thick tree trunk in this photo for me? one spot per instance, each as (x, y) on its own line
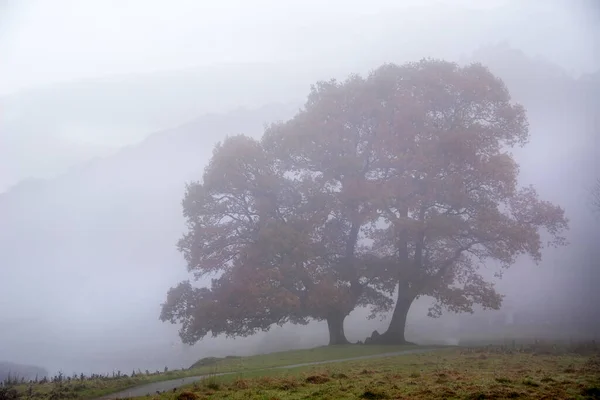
(395, 332)
(335, 323)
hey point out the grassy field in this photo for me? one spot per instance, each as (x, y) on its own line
(316, 354)
(93, 388)
(544, 370)
(457, 373)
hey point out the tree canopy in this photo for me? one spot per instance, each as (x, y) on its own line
(399, 182)
(276, 243)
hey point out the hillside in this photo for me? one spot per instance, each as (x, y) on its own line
(103, 238)
(19, 371)
(531, 370)
(41, 129)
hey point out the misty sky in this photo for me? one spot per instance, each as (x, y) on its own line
(61, 40)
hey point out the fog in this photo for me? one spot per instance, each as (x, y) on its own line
(108, 108)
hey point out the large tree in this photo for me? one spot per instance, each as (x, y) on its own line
(455, 205)
(418, 156)
(402, 181)
(275, 243)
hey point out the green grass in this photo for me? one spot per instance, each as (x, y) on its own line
(535, 371)
(90, 389)
(292, 357)
(482, 373)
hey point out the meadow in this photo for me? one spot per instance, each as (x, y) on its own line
(494, 372)
(535, 370)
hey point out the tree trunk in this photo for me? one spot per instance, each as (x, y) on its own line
(395, 332)
(335, 323)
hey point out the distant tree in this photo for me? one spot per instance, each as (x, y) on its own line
(595, 196)
(274, 243)
(418, 156)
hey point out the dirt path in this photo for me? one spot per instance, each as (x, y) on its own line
(152, 388)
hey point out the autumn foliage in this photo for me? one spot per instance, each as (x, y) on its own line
(399, 183)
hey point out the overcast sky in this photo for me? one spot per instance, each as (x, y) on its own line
(43, 41)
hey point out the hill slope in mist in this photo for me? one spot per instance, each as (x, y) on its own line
(46, 130)
(87, 257)
(561, 161)
(18, 371)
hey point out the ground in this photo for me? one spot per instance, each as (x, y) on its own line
(278, 359)
(94, 388)
(542, 371)
(483, 373)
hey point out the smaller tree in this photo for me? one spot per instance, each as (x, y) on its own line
(275, 247)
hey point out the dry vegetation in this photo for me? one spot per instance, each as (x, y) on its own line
(537, 372)
(542, 370)
(93, 386)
